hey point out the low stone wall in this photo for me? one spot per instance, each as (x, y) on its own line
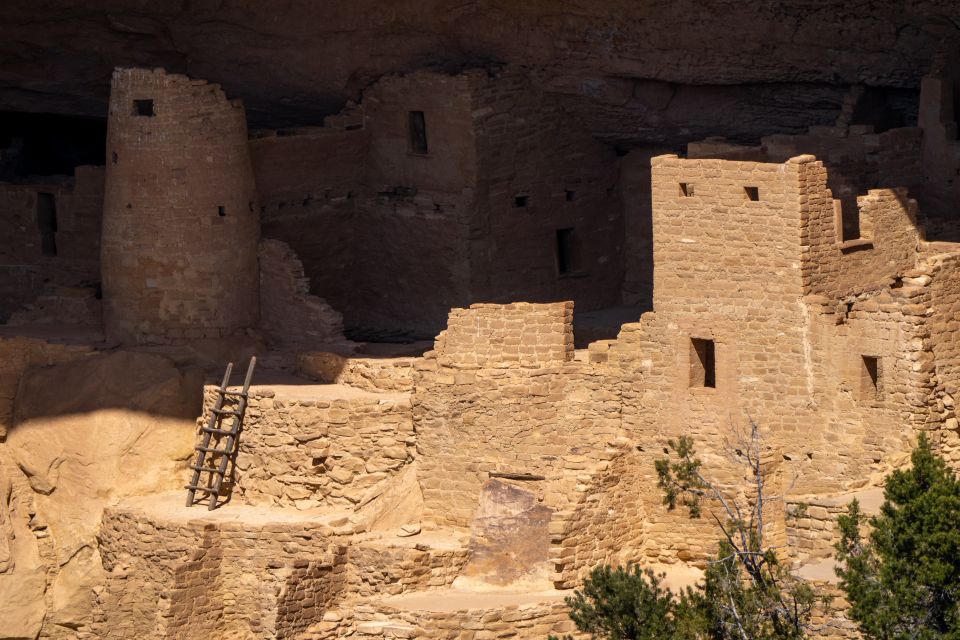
(368, 373)
(175, 576)
(378, 570)
(829, 619)
(507, 335)
(813, 532)
(380, 620)
(322, 446)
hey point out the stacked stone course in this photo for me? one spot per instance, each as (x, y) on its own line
(329, 450)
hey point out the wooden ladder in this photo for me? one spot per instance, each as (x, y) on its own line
(216, 434)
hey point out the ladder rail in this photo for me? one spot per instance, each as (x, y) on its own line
(205, 442)
(233, 437)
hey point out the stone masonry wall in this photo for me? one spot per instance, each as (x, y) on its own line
(517, 334)
(940, 277)
(360, 371)
(320, 449)
(474, 216)
(381, 230)
(25, 271)
(380, 620)
(181, 221)
(289, 313)
(509, 411)
(858, 158)
(377, 570)
(729, 271)
(608, 525)
(814, 532)
(887, 245)
(173, 577)
(541, 173)
(941, 149)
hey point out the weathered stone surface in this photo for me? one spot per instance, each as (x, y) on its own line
(87, 433)
(509, 543)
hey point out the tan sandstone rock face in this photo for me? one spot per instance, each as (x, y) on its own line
(86, 433)
(509, 541)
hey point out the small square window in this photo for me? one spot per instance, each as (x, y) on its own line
(703, 363)
(222, 211)
(521, 201)
(143, 108)
(686, 190)
(870, 378)
(752, 193)
(570, 195)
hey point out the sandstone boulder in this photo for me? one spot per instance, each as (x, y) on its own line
(87, 433)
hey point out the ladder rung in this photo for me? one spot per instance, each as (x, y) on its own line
(239, 394)
(195, 487)
(213, 450)
(210, 469)
(225, 412)
(222, 432)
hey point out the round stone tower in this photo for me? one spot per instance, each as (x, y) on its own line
(180, 219)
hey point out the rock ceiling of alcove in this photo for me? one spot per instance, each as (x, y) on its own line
(638, 70)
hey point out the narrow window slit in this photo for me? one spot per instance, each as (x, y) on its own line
(418, 133)
(568, 252)
(870, 371)
(47, 223)
(703, 363)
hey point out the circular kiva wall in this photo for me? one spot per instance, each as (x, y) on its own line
(180, 221)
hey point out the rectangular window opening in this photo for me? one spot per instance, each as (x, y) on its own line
(752, 193)
(570, 195)
(222, 211)
(848, 219)
(686, 190)
(568, 252)
(143, 108)
(956, 103)
(870, 378)
(115, 157)
(521, 201)
(703, 364)
(47, 223)
(418, 132)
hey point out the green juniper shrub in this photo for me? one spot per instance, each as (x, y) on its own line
(903, 579)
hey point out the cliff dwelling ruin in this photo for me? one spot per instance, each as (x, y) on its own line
(487, 267)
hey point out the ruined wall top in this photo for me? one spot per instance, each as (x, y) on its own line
(727, 230)
(519, 334)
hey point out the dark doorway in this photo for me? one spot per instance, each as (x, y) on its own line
(47, 223)
(568, 252)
